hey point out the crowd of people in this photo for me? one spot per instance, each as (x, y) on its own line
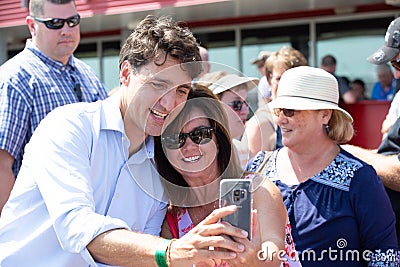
(131, 178)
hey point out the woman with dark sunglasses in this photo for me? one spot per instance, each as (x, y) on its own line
(193, 154)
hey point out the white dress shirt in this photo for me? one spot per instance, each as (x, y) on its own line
(75, 183)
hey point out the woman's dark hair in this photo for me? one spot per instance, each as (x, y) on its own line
(201, 98)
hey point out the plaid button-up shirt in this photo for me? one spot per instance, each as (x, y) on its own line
(31, 85)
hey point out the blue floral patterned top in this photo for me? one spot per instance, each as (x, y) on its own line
(338, 215)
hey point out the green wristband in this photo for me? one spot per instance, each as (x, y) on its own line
(161, 254)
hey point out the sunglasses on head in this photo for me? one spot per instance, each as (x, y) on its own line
(56, 24)
(286, 112)
(237, 105)
(396, 63)
(200, 135)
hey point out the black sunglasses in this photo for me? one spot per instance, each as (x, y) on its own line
(396, 64)
(286, 112)
(56, 24)
(237, 105)
(200, 135)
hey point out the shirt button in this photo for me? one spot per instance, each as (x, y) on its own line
(117, 195)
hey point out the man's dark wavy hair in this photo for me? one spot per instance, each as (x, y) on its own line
(161, 36)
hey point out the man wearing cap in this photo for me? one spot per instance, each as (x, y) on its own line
(389, 52)
(387, 159)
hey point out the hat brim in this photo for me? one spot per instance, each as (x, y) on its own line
(249, 82)
(300, 103)
(383, 55)
(256, 61)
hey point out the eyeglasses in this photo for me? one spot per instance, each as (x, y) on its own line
(56, 23)
(237, 105)
(200, 135)
(286, 112)
(396, 63)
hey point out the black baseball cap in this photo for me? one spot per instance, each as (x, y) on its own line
(392, 45)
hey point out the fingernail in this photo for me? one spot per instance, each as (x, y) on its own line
(244, 233)
(241, 247)
(232, 254)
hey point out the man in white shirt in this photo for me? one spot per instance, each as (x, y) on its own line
(88, 193)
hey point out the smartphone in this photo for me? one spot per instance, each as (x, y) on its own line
(237, 192)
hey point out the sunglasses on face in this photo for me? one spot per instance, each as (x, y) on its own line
(56, 24)
(286, 112)
(200, 135)
(396, 63)
(237, 105)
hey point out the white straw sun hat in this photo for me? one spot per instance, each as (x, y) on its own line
(307, 88)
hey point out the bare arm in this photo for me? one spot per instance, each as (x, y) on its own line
(125, 248)
(7, 178)
(272, 216)
(387, 167)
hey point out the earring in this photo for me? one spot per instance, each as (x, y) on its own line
(327, 129)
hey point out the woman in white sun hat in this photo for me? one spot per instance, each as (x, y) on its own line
(336, 203)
